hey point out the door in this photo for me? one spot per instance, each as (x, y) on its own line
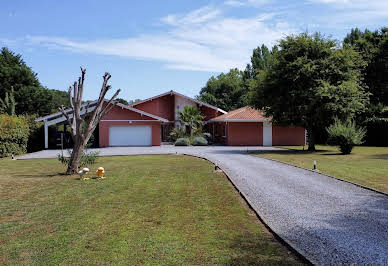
(130, 136)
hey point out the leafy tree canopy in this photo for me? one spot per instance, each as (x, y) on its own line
(373, 47)
(309, 82)
(122, 101)
(30, 96)
(226, 91)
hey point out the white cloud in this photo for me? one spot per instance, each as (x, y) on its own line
(240, 3)
(380, 6)
(202, 40)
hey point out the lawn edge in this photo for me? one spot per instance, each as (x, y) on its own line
(318, 172)
(284, 242)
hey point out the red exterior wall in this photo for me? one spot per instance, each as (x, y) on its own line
(244, 133)
(118, 113)
(288, 136)
(209, 113)
(162, 106)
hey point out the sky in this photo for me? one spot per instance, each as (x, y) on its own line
(151, 47)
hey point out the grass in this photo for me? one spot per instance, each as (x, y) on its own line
(149, 210)
(367, 166)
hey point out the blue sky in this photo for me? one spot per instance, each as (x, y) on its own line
(150, 47)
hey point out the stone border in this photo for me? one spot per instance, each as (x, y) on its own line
(318, 172)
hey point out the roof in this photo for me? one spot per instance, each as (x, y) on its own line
(181, 95)
(59, 117)
(243, 114)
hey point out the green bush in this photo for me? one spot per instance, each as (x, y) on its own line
(14, 132)
(87, 158)
(182, 142)
(199, 141)
(345, 135)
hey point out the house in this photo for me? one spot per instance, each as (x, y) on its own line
(149, 123)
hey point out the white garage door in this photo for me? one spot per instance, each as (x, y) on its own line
(130, 136)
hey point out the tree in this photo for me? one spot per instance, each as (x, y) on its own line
(226, 91)
(83, 127)
(31, 96)
(122, 101)
(191, 117)
(309, 82)
(8, 104)
(373, 47)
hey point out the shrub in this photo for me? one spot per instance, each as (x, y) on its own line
(14, 132)
(36, 135)
(87, 158)
(345, 135)
(199, 141)
(178, 132)
(182, 142)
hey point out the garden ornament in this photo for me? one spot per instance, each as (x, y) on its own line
(82, 174)
(100, 172)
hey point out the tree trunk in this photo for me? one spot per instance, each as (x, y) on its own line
(311, 139)
(72, 167)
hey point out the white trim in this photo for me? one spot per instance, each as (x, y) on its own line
(238, 120)
(129, 120)
(141, 112)
(60, 113)
(184, 96)
(267, 134)
(45, 135)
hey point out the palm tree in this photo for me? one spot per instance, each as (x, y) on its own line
(191, 117)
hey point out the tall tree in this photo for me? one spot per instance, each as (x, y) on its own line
(310, 82)
(373, 47)
(31, 96)
(82, 127)
(226, 91)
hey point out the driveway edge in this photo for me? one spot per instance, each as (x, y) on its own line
(283, 241)
(318, 172)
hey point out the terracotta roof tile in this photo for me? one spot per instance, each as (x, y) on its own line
(243, 113)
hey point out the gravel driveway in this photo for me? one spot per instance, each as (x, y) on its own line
(326, 220)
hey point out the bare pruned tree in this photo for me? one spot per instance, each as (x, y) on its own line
(82, 123)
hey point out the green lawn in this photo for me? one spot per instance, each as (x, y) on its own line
(149, 210)
(367, 166)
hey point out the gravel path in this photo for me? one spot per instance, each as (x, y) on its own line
(326, 220)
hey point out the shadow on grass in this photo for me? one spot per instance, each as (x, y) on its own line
(40, 175)
(253, 250)
(379, 156)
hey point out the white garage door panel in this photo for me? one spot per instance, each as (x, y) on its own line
(130, 136)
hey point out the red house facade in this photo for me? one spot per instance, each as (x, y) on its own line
(149, 123)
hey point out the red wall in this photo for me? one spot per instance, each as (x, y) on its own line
(288, 136)
(118, 113)
(209, 113)
(245, 133)
(162, 106)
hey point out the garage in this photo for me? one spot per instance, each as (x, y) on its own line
(130, 136)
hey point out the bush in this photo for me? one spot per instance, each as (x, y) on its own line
(345, 135)
(199, 141)
(182, 142)
(36, 134)
(87, 158)
(14, 132)
(178, 132)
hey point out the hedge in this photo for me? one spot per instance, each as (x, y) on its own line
(14, 133)
(182, 142)
(199, 141)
